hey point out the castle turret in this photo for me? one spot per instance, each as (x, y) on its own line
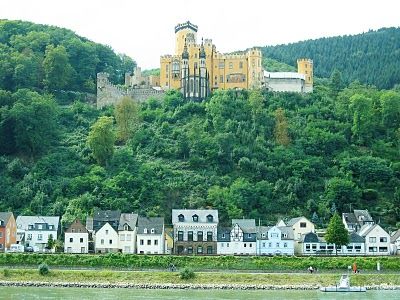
(203, 82)
(185, 72)
(305, 66)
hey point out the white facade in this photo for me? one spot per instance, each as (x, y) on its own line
(127, 241)
(395, 243)
(76, 242)
(377, 240)
(34, 231)
(275, 242)
(150, 243)
(240, 242)
(106, 239)
(285, 82)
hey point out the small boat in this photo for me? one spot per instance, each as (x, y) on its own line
(344, 286)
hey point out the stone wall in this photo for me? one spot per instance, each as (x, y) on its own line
(110, 94)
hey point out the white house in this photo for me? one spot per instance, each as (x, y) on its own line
(76, 238)
(395, 242)
(127, 230)
(275, 240)
(34, 231)
(106, 239)
(150, 235)
(377, 240)
(355, 220)
(300, 226)
(240, 239)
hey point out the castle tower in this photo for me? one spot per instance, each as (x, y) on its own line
(203, 81)
(255, 71)
(185, 72)
(183, 31)
(305, 66)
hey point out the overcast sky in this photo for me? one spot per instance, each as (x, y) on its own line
(144, 29)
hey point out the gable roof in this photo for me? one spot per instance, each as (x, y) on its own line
(367, 228)
(262, 232)
(5, 216)
(362, 215)
(189, 213)
(395, 236)
(129, 219)
(350, 218)
(76, 227)
(355, 238)
(223, 234)
(293, 221)
(106, 215)
(156, 223)
(24, 221)
(247, 225)
(288, 231)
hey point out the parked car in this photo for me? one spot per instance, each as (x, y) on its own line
(29, 249)
(16, 248)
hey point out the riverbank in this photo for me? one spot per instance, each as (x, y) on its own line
(202, 280)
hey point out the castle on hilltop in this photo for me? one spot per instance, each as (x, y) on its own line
(197, 69)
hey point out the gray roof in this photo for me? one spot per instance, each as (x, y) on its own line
(189, 213)
(350, 218)
(293, 221)
(310, 237)
(364, 214)
(367, 228)
(284, 230)
(89, 223)
(156, 223)
(106, 215)
(395, 236)
(247, 225)
(24, 221)
(288, 231)
(355, 238)
(226, 231)
(129, 219)
(5, 216)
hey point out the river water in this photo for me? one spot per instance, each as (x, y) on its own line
(113, 294)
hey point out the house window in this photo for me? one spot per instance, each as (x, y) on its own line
(71, 240)
(223, 235)
(106, 231)
(314, 247)
(277, 245)
(180, 235)
(209, 250)
(102, 241)
(383, 249)
(148, 242)
(141, 242)
(322, 247)
(199, 250)
(263, 245)
(221, 78)
(372, 249)
(122, 237)
(180, 249)
(372, 239)
(303, 224)
(110, 242)
(209, 236)
(245, 245)
(155, 242)
(190, 236)
(51, 227)
(227, 245)
(190, 250)
(250, 245)
(181, 218)
(270, 245)
(263, 235)
(128, 237)
(152, 230)
(284, 245)
(126, 227)
(383, 239)
(40, 237)
(249, 235)
(195, 218)
(199, 236)
(81, 240)
(308, 247)
(40, 226)
(145, 230)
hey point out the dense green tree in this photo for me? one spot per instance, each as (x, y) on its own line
(281, 128)
(101, 139)
(57, 69)
(126, 114)
(341, 192)
(336, 233)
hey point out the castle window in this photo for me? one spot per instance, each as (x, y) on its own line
(166, 68)
(221, 65)
(221, 78)
(230, 65)
(241, 65)
(191, 88)
(195, 65)
(195, 55)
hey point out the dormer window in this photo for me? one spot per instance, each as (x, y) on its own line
(181, 218)
(145, 230)
(51, 227)
(195, 218)
(210, 218)
(30, 226)
(126, 227)
(263, 235)
(152, 230)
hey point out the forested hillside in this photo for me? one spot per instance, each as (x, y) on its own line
(249, 154)
(55, 59)
(372, 57)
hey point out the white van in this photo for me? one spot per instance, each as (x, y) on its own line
(16, 248)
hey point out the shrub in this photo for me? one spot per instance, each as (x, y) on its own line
(187, 274)
(6, 272)
(43, 269)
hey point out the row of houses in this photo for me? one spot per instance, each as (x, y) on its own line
(195, 232)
